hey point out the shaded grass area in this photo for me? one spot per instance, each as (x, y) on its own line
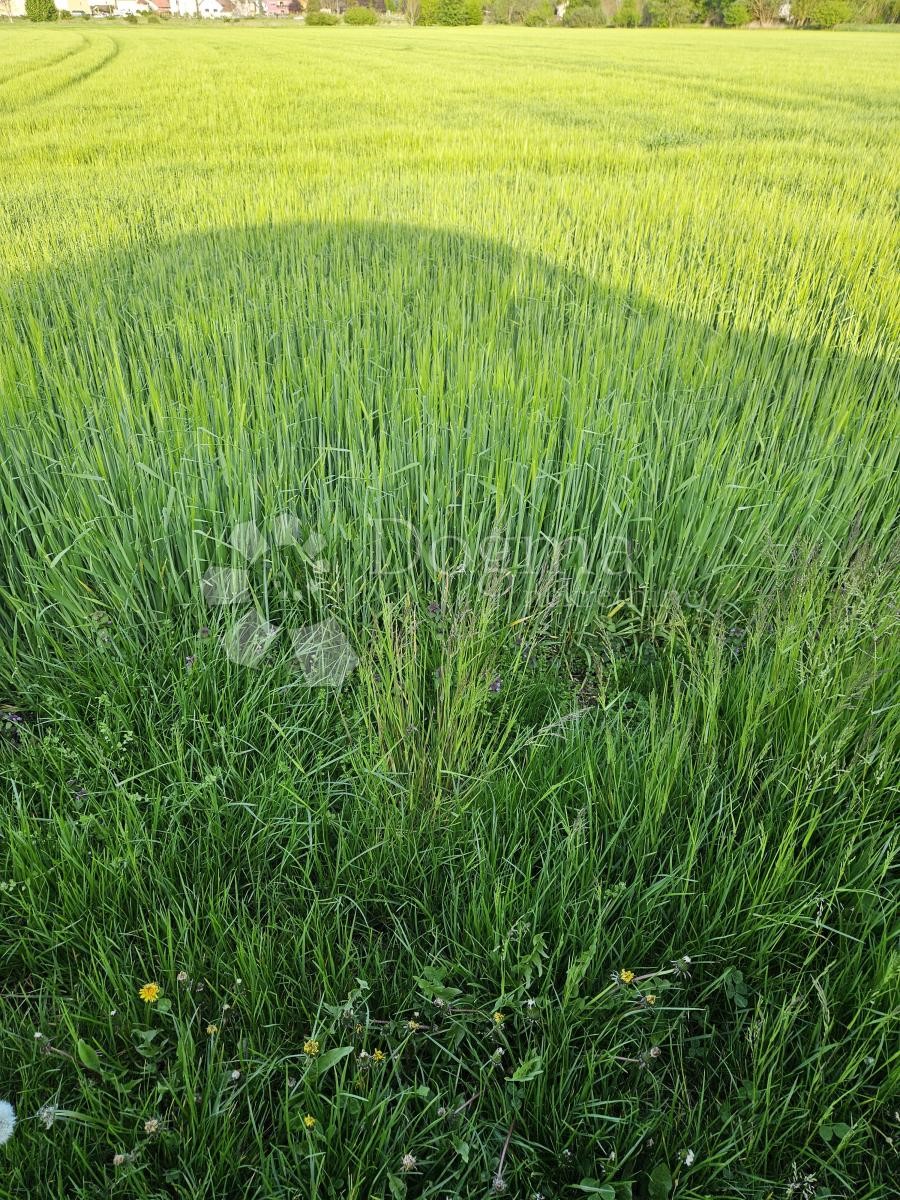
(717, 799)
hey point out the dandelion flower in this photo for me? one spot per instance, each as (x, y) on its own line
(378, 1056)
(212, 1030)
(7, 1121)
(151, 1126)
(311, 1048)
(408, 1162)
(499, 1018)
(309, 1121)
(651, 999)
(149, 993)
(626, 976)
(413, 1026)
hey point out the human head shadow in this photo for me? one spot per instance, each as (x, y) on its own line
(426, 383)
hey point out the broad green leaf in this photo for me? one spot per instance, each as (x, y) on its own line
(89, 1056)
(660, 1182)
(331, 1058)
(529, 1068)
(461, 1148)
(397, 1186)
(594, 1187)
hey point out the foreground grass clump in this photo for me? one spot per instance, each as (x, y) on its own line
(557, 377)
(656, 938)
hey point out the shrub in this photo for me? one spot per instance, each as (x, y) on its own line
(627, 15)
(736, 14)
(539, 14)
(667, 13)
(40, 10)
(358, 14)
(825, 14)
(320, 18)
(583, 17)
(131, 18)
(450, 12)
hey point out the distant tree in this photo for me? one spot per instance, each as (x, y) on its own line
(825, 14)
(583, 16)
(40, 10)
(671, 12)
(764, 11)
(450, 12)
(540, 13)
(412, 9)
(736, 14)
(509, 12)
(627, 15)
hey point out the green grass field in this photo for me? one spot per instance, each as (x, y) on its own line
(557, 371)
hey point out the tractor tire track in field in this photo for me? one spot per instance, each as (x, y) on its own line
(57, 86)
(44, 64)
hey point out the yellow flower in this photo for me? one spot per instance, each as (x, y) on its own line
(626, 976)
(212, 1029)
(311, 1049)
(378, 1056)
(149, 993)
(309, 1121)
(413, 1025)
(651, 999)
(499, 1018)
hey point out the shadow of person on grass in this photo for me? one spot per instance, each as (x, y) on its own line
(414, 398)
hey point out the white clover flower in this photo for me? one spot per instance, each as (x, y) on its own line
(7, 1121)
(689, 1158)
(47, 1115)
(408, 1162)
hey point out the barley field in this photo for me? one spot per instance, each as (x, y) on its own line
(448, 733)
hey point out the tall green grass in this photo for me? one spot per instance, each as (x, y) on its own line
(561, 371)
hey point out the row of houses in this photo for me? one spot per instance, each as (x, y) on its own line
(208, 9)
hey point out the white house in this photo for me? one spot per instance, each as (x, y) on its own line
(211, 10)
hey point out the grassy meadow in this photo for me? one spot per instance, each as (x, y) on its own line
(540, 389)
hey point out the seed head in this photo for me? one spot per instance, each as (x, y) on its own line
(7, 1121)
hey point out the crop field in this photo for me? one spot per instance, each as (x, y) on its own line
(448, 615)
